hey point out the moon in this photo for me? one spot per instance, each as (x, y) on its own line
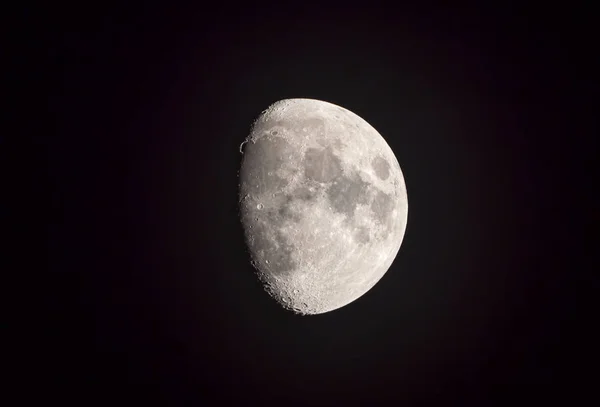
(322, 203)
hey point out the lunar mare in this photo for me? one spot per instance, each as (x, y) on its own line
(323, 204)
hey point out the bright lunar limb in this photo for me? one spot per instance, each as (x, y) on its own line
(323, 204)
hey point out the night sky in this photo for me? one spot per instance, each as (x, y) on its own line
(150, 298)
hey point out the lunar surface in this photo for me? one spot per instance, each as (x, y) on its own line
(322, 202)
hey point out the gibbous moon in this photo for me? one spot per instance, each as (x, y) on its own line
(322, 202)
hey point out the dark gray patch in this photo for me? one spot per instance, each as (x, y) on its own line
(304, 194)
(381, 167)
(285, 213)
(261, 160)
(362, 235)
(281, 210)
(326, 142)
(344, 194)
(337, 144)
(382, 207)
(278, 213)
(281, 261)
(275, 215)
(272, 255)
(321, 165)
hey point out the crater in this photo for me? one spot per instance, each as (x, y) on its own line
(303, 125)
(270, 247)
(282, 210)
(321, 165)
(381, 167)
(314, 125)
(345, 193)
(261, 161)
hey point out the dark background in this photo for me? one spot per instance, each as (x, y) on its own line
(150, 297)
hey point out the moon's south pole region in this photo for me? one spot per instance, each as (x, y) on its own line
(323, 204)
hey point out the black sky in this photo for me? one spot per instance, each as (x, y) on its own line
(151, 297)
